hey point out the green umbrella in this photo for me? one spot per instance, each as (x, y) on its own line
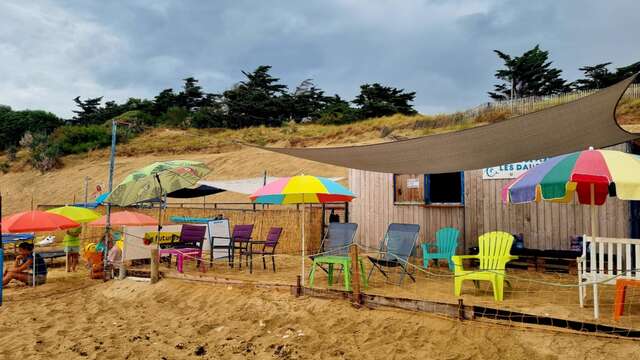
(156, 180)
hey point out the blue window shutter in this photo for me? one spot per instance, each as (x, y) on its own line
(462, 187)
(427, 190)
(394, 189)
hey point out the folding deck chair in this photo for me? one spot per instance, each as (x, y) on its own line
(335, 251)
(397, 246)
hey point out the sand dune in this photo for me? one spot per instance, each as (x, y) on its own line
(73, 317)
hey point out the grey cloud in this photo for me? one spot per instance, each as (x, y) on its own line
(440, 49)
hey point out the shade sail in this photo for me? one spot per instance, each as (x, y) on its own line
(566, 128)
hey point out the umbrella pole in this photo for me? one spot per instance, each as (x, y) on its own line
(594, 234)
(33, 262)
(303, 247)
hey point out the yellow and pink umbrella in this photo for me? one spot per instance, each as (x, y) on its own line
(302, 189)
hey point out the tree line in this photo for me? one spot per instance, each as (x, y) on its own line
(532, 74)
(259, 99)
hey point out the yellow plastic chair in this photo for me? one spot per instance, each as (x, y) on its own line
(494, 256)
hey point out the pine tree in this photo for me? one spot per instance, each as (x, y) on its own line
(376, 100)
(530, 74)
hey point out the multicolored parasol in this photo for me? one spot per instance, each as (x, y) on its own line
(302, 189)
(592, 174)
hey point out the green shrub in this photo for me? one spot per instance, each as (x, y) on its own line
(44, 155)
(177, 116)
(338, 113)
(73, 139)
(5, 166)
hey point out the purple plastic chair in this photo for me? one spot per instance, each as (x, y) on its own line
(268, 248)
(240, 238)
(189, 244)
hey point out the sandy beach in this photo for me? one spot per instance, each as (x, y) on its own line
(72, 317)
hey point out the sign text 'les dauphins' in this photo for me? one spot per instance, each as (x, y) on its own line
(510, 171)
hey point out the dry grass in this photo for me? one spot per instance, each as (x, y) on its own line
(173, 141)
(628, 112)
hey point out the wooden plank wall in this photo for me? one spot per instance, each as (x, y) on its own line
(544, 225)
(373, 210)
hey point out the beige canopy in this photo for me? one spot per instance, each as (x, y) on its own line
(589, 121)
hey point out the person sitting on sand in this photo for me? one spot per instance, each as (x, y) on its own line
(22, 270)
(71, 244)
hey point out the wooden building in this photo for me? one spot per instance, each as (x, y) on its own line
(471, 201)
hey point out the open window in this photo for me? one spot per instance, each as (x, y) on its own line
(436, 189)
(447, 188)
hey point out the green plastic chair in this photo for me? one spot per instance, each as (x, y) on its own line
(335, 251)
(494, 256)
(446, 244)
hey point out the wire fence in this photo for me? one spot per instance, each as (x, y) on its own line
(530, 298)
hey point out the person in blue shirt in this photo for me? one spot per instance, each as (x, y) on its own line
(23, 267)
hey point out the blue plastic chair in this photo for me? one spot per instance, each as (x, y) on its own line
(446, 244)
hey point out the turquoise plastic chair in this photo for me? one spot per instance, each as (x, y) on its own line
(446, 244)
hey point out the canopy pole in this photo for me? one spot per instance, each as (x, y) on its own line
(107, 228)
(594, 234)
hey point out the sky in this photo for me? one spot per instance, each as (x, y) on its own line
(53, 51)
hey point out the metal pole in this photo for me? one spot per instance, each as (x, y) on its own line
(1, 249)
(107, 229)
(303, 246)
(86, 191)
(594, 234)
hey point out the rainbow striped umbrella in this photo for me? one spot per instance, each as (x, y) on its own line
(302, 189)
(592, 174)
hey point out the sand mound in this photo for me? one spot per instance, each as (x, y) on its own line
(72, 317)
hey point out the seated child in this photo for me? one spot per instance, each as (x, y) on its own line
(94, 261)
(23, 267)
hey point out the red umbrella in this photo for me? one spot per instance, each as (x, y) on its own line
(124, 218)
(36, 221)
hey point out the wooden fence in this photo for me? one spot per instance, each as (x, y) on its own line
(287, 217)
(530, 104)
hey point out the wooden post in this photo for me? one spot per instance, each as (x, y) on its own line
(355, 280)
(298, 286)
(122, 270)
(154, 265)
(460, 310)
